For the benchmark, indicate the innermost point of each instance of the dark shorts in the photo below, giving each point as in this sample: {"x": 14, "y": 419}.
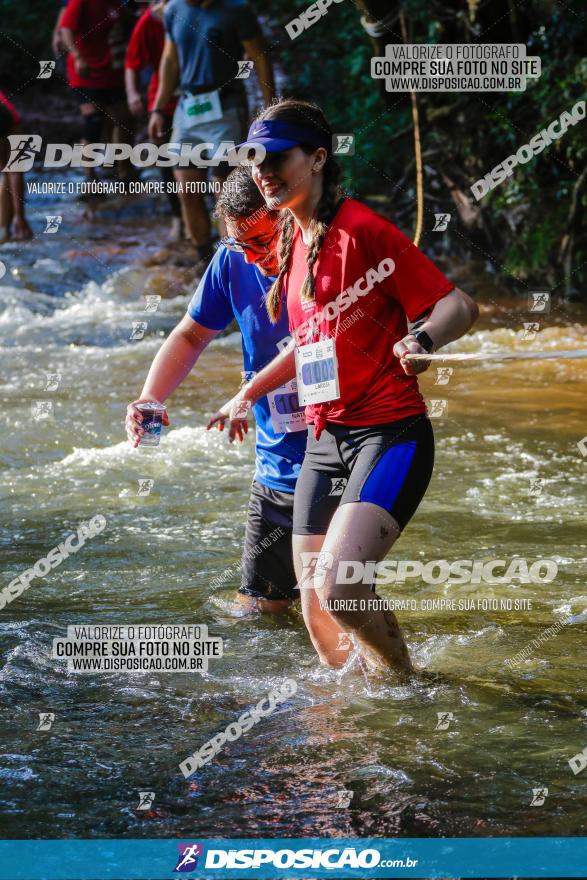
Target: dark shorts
{"x": 267, "y": 563}
{"x": 100, "y": 97}
{"x": 389, "y": 465}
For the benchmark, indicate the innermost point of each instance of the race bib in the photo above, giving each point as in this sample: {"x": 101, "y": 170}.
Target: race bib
{"x": 202, "y": 108}
{"x": 286, "y": 413}
{"x": 317, "y": 372}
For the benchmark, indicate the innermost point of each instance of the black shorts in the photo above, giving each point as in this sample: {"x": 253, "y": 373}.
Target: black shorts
{"x": 389, "y": 465}
{"x": 100, "y": 97}
{"x": 267, "y": 563}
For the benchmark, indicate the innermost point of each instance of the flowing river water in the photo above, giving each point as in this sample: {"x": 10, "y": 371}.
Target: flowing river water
{"x": 509, "y": 482}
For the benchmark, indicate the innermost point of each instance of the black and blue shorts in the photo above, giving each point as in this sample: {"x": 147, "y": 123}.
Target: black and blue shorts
{"x": 389, "y": 465}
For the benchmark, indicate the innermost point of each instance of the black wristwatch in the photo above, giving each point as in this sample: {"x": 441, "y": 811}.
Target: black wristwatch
{"x": 423, "y": 339}
{"x": 160, "y": 112}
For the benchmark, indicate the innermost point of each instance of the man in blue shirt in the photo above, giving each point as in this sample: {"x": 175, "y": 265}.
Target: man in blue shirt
{"x": 204, "y": 43}
{"x": 234, "y": 287}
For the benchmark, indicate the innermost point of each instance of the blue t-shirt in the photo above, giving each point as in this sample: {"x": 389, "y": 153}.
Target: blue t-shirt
{"x": 209, "y": 43}
{"x": 232, "y": 288}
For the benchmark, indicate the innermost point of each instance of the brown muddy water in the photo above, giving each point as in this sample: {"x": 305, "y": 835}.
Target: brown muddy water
{"x": 509, "y": 484}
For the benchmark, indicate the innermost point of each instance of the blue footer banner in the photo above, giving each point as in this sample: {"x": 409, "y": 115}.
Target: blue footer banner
{"x": 296, "y": 857}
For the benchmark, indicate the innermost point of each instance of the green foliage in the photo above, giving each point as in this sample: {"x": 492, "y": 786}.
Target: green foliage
{"x": 27, "y": 26}
{"x": 330, "y": 64}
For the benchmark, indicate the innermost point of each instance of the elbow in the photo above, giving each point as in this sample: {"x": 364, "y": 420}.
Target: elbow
{"x": 470, "y": 308}
{"x": 473, "y": 311}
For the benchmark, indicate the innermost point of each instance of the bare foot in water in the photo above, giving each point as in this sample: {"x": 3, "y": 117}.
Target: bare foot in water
{"x": 21, "y": 231}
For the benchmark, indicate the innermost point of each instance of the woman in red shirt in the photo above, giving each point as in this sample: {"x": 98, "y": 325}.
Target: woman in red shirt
{"x": 351, "y": 281}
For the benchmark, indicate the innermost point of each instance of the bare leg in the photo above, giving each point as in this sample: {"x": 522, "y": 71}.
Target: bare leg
{"x": 193, "y": 208}
{"x": 88, "y": 109}
{"x": 123, "y": 132}
{"x": 5, "y": 208}
{"x": 5, "y": 198}
{"x": 359, "y": 532}
{"x": 326, "y": 633}
{"x": 21, "y": 229}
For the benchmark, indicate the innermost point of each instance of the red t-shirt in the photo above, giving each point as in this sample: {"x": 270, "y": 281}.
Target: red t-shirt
{"x": 144, "y": 50}
{"x": 99, "y": 35}
{"x": 373, "y": 387}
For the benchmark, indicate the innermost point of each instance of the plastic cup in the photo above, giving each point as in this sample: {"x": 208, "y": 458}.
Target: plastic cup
{"x": 152, "y": 423}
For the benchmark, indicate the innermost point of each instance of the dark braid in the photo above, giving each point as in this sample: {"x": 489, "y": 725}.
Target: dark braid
{"x": 308, "y": 114}
{"x": 325, "y": 210}
{"x": 275, "y": 292}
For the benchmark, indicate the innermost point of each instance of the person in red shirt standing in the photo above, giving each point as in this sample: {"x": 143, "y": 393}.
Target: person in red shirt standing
{"x": 144, "y": 50}
{"x": 352, "y": 282}
{"x": 94, "y": 34}
{"x": 13, "y": 222}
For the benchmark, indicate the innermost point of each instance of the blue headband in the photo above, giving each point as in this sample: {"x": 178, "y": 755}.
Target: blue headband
{"x": 277, "y": 135}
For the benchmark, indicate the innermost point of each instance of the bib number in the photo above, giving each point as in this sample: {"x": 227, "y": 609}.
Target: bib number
{"x": 286, "y": 413}
{"x": 317, "y": 372}
{"x": 202, "y": 108}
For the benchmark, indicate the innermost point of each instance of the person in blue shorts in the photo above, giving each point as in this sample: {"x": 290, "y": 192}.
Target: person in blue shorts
{"x": 234, "y": 286}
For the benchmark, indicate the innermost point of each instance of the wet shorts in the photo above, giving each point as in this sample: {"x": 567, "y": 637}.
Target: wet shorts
{"x": 229, "y": 129}
{"x": 389, "y": 465}
{"x": 267, "y": 563}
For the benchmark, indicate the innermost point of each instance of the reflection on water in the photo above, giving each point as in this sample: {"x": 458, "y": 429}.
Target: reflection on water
{"x": 509, "y": 482}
